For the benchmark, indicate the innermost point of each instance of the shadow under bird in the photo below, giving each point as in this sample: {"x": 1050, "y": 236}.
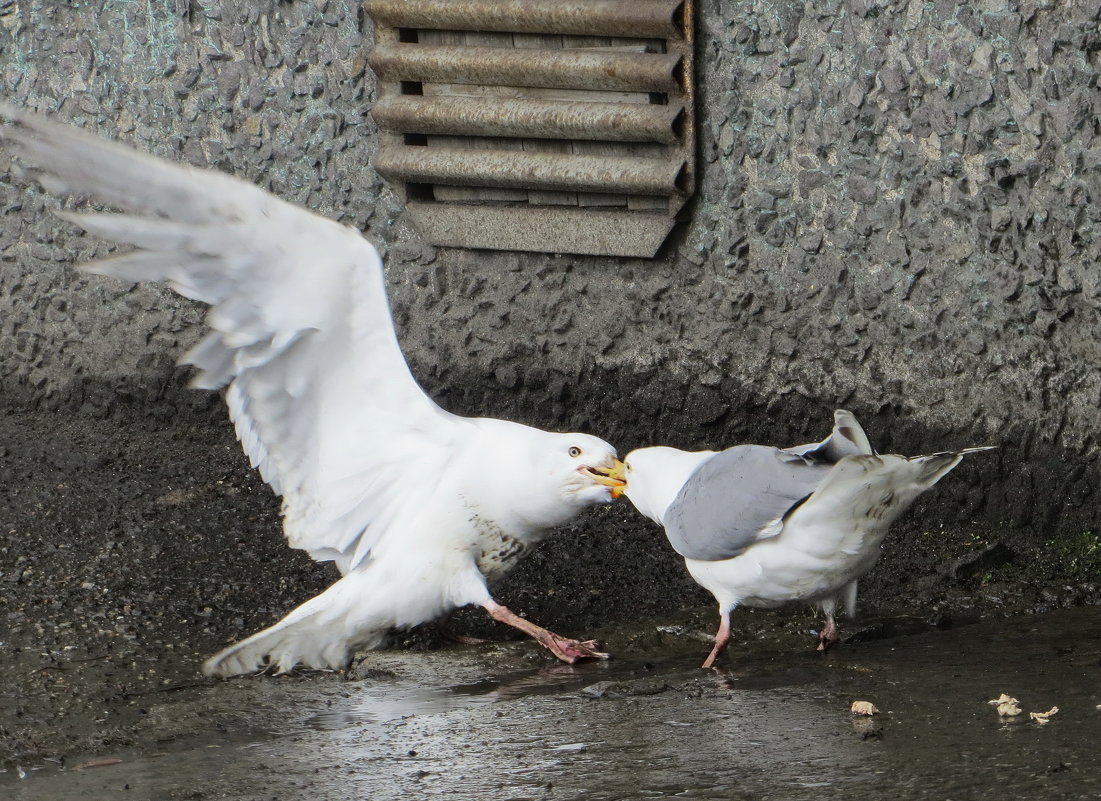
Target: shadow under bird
{"x": 420, "y": 509}
{"x": 762, "y": 526}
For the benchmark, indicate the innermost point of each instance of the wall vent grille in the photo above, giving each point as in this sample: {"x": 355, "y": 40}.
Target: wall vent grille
{"x": 561, "y": 126}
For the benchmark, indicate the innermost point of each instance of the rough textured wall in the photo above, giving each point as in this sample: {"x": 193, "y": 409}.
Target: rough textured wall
{"x": 900, "y": 211}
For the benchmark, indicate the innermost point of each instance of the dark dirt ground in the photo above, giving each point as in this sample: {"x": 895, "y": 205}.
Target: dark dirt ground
{"x": 131, "y": 548}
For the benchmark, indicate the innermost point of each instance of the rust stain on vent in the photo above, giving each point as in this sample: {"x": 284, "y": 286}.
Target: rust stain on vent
{"x": 550, "y": 125}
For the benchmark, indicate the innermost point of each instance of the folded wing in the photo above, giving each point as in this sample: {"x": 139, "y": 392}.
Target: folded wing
{"x": 737, "y": 497}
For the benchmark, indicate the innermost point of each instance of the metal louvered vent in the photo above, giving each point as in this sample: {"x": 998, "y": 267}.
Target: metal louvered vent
{"x": 549, "y": 125}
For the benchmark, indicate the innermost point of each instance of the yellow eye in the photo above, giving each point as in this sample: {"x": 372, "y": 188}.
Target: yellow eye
{"x": 575, "y": 451}
{"x": 629, "y": 468}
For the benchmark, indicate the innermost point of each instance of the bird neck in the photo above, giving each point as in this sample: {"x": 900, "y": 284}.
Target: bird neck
{"x": 676, "y": 470}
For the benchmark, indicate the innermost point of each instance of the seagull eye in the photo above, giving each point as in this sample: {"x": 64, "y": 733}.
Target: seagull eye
{"x": 575, "y": 451}
{"x": 629, "y": 468}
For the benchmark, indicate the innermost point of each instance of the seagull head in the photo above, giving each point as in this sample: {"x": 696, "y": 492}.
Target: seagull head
{"x": 542, "y": 478}
{"x": 568, "y": 472}
{"x": 656, "y": 475}
{"x": 585, "y": 467}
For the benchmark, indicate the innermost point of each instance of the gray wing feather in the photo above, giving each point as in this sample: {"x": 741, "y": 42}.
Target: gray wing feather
{"x": 737, "y": 497}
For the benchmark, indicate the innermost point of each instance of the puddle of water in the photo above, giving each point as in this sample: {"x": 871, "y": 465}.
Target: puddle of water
{"x": 766, "y": 729}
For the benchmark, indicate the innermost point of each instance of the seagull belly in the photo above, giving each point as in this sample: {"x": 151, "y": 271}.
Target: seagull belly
{"x": 773, "y": 572}
{"x": 498, "y": 552}
{"x": 407, "y": 591}
{"x": 497, "y": 559}
{"x": 433, "y": 568}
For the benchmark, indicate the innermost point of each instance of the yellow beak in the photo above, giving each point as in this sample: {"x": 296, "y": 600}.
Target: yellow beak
{"x": 612, "y": 477}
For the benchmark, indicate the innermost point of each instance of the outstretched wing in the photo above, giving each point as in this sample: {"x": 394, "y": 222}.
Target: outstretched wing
{"x": 323, "y": 401}
{"x": 737, "y": 497}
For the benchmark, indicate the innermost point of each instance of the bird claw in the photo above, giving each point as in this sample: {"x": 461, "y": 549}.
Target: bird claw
{"x": 829, "y": 636}
{"x": 571, "y": 651}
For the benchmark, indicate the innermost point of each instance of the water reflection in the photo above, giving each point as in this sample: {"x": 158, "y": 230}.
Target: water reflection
{"x": 661, "y": 729}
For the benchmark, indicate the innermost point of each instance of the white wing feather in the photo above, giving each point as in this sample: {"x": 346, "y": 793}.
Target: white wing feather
{"x": 322, "y": 398}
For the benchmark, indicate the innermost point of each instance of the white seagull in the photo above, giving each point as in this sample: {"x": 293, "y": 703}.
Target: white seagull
{"x": 418, "y": 508}
{"x": 761, "y": 526}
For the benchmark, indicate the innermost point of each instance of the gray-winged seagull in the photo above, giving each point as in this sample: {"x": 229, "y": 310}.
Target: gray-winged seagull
{"x": 418, "y": 508}
{"x": 761, "y": 526}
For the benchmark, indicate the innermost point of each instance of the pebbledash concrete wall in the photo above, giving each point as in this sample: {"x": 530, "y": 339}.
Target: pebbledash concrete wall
{"x": 899, "y": 212}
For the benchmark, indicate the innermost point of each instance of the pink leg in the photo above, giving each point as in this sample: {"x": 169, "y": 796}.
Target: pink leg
{"x": 569, "y": 651}
{"x": 722, "y": 638}
{"x": 829, "y": 636}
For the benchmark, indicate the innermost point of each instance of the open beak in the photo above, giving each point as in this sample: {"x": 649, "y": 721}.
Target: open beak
{"x": 610, "y": 477}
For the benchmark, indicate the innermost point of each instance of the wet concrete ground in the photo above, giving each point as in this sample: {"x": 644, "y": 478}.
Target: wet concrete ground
{"x": 502, "y": 722}
{"x": 132, "y": 548}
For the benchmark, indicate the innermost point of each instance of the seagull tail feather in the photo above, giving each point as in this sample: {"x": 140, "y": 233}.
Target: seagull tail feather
{"x": 937, "y": 465}
{"x": 849, "y": 434}
{"x": 322, "y": 633}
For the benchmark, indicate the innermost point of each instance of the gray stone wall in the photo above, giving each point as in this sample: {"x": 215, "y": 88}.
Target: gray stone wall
{"x": 899, "y": 212}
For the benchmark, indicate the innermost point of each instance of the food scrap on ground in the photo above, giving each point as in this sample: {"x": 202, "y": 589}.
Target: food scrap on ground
{"x": 1007, "y": 706}
{"x": 1043, "y": 717}
{"x": 863, "y": 708}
